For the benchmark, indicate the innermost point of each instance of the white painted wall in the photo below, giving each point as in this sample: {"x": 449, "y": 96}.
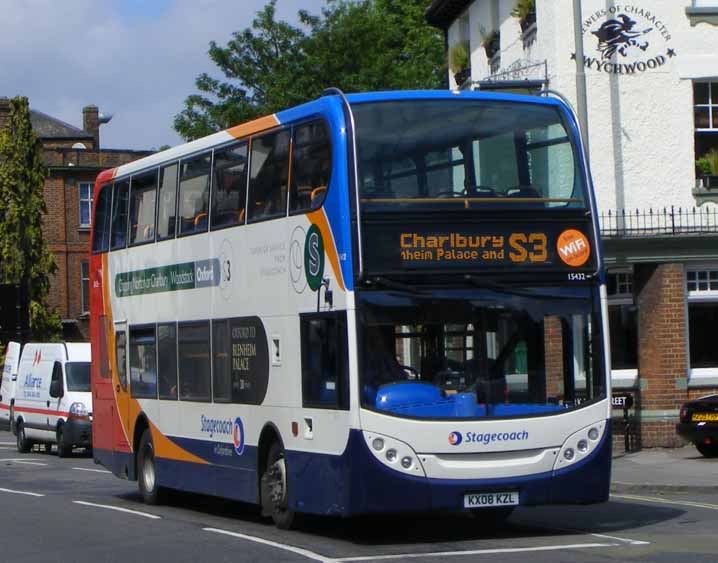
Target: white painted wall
{"x": 640, "y": 125}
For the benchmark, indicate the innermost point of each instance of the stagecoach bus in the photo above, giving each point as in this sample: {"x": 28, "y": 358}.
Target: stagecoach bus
{"x": 378, "y": 302}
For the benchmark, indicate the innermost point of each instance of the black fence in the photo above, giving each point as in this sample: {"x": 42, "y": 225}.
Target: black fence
{"x": 658, "y": 222}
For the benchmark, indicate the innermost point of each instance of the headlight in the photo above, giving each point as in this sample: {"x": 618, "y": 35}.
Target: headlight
{"x": 78, "y": 409}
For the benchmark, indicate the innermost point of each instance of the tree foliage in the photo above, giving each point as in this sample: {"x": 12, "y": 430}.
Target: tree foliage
{"x": 25, "y": 260}
{"x": 358, "y": 45}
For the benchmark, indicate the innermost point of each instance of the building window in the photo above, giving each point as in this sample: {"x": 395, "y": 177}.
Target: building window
{"x": 705, "y": 112}
{"x": 86, "y": 189}
{"x": 85, "y": 286}
{"x": 623, "y": 322}
{"x": 702, "y": 297}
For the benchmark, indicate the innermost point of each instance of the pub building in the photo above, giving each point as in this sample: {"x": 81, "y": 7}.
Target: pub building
{"x": 651, "y": 80}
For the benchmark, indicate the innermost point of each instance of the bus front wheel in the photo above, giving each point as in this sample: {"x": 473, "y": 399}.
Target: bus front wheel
{"x": 274, "y": 489}
{"x": 151, "y": 492}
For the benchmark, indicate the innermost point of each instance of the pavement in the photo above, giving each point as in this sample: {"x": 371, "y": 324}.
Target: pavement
{"x": 664, "y": 470}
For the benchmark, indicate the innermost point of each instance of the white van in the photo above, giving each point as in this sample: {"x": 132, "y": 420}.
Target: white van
{"x": 53, "y": 401}
{"x": 7, "y": 385}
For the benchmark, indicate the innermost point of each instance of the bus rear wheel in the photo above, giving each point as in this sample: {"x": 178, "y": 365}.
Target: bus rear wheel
{"x": 274, "y": 489}
{"x": 151, "y": 492}
{"x": 23, "y": 444}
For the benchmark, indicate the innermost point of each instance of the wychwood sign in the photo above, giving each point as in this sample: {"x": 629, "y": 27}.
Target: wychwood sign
{"x": 625, "y": 39}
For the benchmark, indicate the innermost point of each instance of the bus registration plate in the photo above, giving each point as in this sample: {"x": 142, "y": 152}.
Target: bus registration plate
{"x": 485, "y": 500}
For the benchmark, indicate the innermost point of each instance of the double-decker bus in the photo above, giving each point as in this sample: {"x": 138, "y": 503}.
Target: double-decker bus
{"x": 368, "y": 303}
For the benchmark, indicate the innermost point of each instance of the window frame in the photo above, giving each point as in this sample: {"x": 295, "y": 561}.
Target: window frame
{"x": 160, "y": 396}
{"x": 294, "y": 127}
{"x": 343, "y": 385}
{"x": 178, "y": 192}
{"x": 232, "y": 146}
{"x": 183, "y": 324}
{"x": 154, "y": 214}
{"x": 624, "y": 378}
{"x": 107, "y": 223}
{"x": 703, "y": 376}
{"x": 160, "y": 169}
{"x": 143, "y": 327}
{"x": 90, "y": 201}
{"x": 252, "y": 140}
{"x": 115, "y": 188}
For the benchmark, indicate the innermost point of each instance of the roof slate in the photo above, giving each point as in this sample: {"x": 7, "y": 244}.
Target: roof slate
{"x": 48, "y": 127}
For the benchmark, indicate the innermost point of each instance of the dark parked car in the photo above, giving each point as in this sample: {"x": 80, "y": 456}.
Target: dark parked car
{"x": 699, "y": 424}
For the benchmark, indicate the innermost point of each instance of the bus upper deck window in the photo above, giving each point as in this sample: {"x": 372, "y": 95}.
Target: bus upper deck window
{"x": 101, "y": 234}
{"x": 167, "y": 205}
{"x": 194, "y": 194}
{"x": 311, "y": 167}
{"x": 143, "y": 196}
{"x": 268, "y": 176}
{"x": 229, "y": 186}
{"x": 119, "y": 215}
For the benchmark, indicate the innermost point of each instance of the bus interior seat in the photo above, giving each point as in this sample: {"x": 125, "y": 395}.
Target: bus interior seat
{"x": 525, "y": 192}
{"x": 317, "y": 196}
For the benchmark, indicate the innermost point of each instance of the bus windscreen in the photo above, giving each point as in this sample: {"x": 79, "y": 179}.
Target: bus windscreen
{"x": 454, "y": 155}
{"x": 480, "y": 353}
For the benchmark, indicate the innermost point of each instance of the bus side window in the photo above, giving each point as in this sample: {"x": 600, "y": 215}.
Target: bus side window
{"x": 269, "y": 171}
{"x": 119, "y": 215}
{"x": 194, "y": 361}
{"x": 311, "y": 167}
{"x": 194, "y": 194}
{"x": 143, "y": 368}
{"x": 143, "y": 195}
{"x": 325, "y": 379}
{"x": 229, "y": 186}
{"x": 221, "y": 362}
{"x": 104, "y": 358}
{"x": 121, "y": 358}
{"x": 101, "y": 233}
{"x": 167, "y": 208}
{"x": 167, "y": 360}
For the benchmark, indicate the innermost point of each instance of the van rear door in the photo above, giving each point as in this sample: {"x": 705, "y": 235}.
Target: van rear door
{"x": 8, "y": 384}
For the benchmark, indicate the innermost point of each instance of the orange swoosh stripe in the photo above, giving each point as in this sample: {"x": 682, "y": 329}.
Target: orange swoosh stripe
{"x": 319, "y": 218}
{"x": 254, "y": 126}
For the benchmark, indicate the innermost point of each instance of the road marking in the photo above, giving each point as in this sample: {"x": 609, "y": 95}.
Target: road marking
{"x": 29, "y": 462}
{"x": 298, "y": 550}
{"x": 21, "y": 493}
{"x": 119, "y": 509}
{"x": 666, "y": 501}
{"x": 93, "y": 470}
{"x": 8, "y": 444}
{"x": 475, "y": 552}
{"x": 625, "y": 540}
{"x": 317, "y": 557}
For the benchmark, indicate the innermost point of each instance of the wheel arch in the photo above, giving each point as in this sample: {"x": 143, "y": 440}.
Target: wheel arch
{"x": 141, "y": 425}
{"x": 270, "y": 434}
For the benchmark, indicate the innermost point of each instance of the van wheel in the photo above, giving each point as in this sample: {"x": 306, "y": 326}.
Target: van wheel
{"x": 151, "y": 492}
{"x": 23, "y": 444}
{"x": 274, "y": 489}
{"x": 63, "y": 449}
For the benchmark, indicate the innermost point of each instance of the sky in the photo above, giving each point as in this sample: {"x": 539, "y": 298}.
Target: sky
{"x": 135, "y": 59}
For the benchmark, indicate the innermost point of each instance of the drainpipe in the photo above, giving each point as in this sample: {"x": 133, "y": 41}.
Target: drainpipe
{"x": 581, "y": 104}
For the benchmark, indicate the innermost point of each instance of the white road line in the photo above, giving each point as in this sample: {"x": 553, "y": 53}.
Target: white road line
{"x": 8, "y": 444}
{"x": 476, "y": 552}
{"x": 298, "y": 550}
{"x": 30, "y": 462}
{"x": 659, "y": 500}
{"x": 317, "y": 557}
{"x": 21, "y": 493}
{"x": 93, "y": 470}
{"x": 625, "y": 540}
{"x": 119, "y": 509}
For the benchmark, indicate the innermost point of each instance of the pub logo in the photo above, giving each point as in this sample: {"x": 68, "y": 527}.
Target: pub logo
{"x": 625, "y": 39}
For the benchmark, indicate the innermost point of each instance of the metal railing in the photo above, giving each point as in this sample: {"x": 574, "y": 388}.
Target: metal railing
{"x": 658, "y": 222}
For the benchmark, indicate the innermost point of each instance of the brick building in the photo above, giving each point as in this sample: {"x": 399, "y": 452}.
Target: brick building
{"x": 651, "y": 80}
{"x": 73, "y": 157}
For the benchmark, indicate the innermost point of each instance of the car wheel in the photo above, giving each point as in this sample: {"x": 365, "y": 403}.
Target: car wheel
{"x": 274, "y": 489}
{"x": 63, "y": 449}
{"x": 151, "y": 492}
{"x": 23, "y": 444}
{"x": 707, "y": 450}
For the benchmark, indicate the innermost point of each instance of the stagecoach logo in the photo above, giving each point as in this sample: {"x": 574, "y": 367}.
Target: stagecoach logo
{"x": 296, "y": 259}
{"x": 455, "y": 438}
{"x": 238, "y": 436}
{"x": 314, "y": 257}
{"x": 628, "y": 39}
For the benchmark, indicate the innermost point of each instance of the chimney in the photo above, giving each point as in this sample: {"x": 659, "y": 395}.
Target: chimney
{"x": 4, "y": 110}
{"x": 91, "y": 123}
